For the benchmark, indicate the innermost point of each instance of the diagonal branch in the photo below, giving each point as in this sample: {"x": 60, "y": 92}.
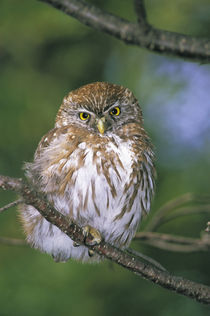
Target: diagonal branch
{"x": 180, "y": 285}
{"x": 154, "y": 39}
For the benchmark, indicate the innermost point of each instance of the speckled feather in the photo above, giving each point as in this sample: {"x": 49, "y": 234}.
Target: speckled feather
{"x": 102, "y": 180}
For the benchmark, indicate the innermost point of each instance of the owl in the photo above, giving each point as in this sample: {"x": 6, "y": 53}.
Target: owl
{"x": 96, "y": 166}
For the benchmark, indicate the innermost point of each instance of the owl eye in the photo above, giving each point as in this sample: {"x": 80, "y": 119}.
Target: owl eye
{"x": 115, "y": 111}
{"x": 84, "y": 116}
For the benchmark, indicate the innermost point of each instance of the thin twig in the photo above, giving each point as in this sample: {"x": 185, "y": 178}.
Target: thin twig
{"x": 141, "y": 13}
{"x": 171, "y": 206}
{"x": 184, "y": 211}
{"x": 13, "y": 241}
{"x": 207, "y": 230}
{"x": 6, "y": 207}
{"x": 173, "y": 243}
{"x": 146, "y": 258}
{"x": 180, "y": 285}
{"x": 156, "y": 40}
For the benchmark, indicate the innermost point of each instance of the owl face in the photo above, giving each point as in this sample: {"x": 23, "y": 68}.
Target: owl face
{"x": 99, "y": 122}
{"x": 100, "y": 108}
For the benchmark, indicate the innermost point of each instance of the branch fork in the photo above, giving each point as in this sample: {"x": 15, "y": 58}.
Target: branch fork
{"x": 141, "y": 34}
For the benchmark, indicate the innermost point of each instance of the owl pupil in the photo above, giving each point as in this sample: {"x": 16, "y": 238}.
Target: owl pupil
{"x": 114, "y": 111}
{"x": 85, "y": 115}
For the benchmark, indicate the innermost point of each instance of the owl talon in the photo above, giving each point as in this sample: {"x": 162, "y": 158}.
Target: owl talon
{"x": 91, "y": 235}
{"x": 91, "y": 253}
{"x": 75, "y": 244}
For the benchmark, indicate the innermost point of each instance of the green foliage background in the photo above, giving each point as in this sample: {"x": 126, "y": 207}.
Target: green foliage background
{"x": 43, "y": 55}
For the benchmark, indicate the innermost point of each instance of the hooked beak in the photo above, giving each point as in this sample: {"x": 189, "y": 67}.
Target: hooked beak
{"x": 101, "y": 125}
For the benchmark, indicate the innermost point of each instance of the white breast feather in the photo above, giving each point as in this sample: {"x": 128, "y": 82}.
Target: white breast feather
{"x": 60, "y": 245}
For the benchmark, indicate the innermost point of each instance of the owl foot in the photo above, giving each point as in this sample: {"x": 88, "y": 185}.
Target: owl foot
{"x": 75, "y": 244}
{"x": 91, "y": 235}
{"x": 91, "y": 253}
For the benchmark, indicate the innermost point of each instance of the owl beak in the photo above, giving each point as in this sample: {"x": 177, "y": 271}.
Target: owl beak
{"x": 101, "y": 125}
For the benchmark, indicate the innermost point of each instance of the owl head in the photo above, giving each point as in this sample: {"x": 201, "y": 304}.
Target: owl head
{"x": 100, "y": 107}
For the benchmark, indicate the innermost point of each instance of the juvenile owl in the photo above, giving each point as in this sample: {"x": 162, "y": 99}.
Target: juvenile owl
{"x": 95, "y": 166}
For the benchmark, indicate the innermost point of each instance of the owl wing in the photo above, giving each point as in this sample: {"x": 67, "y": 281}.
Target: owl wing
{"x": 32, "y": 169}
{"x": 48, "y": 138}
{"x": 45, "y": 141}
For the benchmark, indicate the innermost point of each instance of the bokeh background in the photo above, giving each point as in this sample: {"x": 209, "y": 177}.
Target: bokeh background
{"x": 43, "y": 55}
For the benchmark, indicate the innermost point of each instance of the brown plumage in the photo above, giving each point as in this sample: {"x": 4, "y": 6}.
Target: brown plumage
{"x": 96, "y": 166}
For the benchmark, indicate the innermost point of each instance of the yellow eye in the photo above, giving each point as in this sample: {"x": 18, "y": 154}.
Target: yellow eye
{"x": 84, "y": 116}
{"x": 115, "y": 111}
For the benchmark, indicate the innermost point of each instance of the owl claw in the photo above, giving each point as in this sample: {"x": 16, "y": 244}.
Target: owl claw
{"x": 91, "y": 235}
{"x": 91, "y": 253}
{"x": 75, "y": 244}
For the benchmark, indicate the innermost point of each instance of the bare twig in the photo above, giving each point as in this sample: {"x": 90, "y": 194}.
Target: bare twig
{"x": 141, "y": 13}
{"x": 173, "y": 243}
{"x": 157, "y": 240}
{"x": 6, "y": 207}
{"x": 185, "y": 211}
{"x": 163, "y": 214}
{"x": 180, "y": 285}
{"x": 12, "y": 241}
{"x": 146, "y": 258}
{"x": 156, "y": 40}
{"x": 207, "y": 230}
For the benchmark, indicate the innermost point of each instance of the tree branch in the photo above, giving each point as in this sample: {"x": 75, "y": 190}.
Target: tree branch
{"x": 154, "y": 39}
{"x": 180, "y": 285}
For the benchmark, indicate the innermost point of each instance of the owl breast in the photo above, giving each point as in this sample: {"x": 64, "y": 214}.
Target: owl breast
{"x": 101, "y": 184}
{"x": 97, "y": 194}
